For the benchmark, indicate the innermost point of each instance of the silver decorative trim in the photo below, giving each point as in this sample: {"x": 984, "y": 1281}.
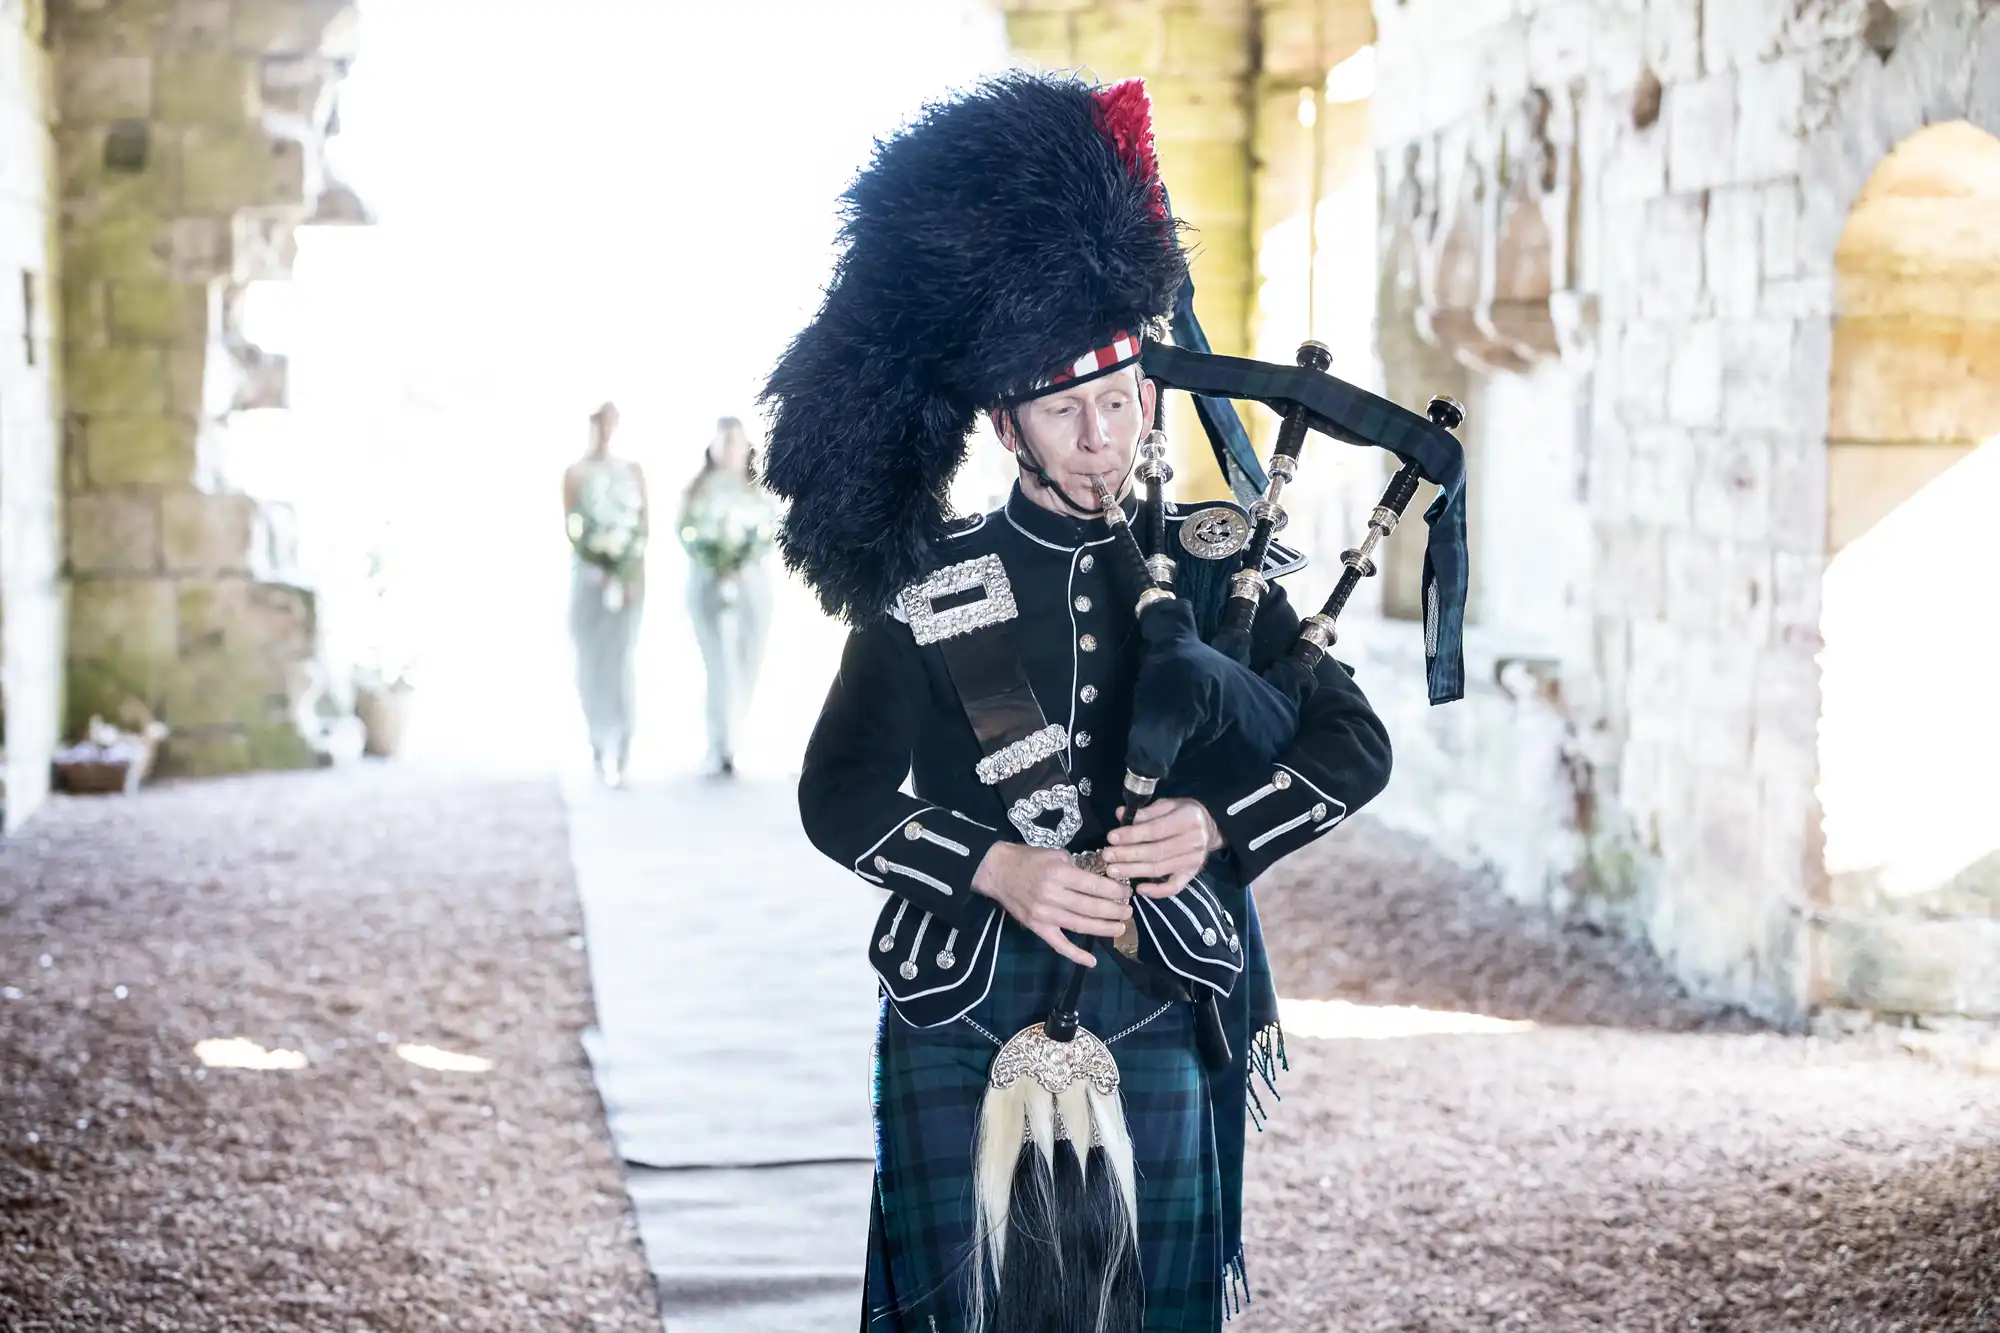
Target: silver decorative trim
{"x": 1061, "y": 797}
{"x": 984, "y": 572}
{"x": 1022, "y": 755}
{"x": 1239, "y": 806}
{"x": 1279, "y": 831}
{"x": 1211, "y": 534}
{"x": 889, "y": 867}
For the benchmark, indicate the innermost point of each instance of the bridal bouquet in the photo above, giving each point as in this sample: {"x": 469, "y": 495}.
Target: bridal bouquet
{"x": 725, "y": 528}
{"x": 607, "y": 527}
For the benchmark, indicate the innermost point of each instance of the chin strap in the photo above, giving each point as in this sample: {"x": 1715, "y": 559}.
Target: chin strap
{"x": 1045, "y": 481}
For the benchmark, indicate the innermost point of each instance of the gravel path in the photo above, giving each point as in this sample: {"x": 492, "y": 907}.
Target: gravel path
{"x": 339, "y": 915}
{"x": 1636, "y": 1161}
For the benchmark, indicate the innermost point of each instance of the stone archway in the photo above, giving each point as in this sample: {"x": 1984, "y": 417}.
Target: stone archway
{"x": 1904, "y": 156}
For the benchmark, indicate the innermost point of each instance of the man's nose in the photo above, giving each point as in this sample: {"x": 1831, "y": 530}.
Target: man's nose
{"x": 1093, "y": 437}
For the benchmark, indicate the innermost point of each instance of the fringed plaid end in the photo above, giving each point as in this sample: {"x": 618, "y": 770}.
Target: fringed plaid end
{"x": 1266, "y": 1057}
{"x": 1235, "y": 1286}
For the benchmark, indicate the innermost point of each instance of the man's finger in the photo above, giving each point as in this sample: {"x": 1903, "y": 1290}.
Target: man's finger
{"x": 1094, "y": 886}
{"x": 1055, "y": 940}
{"x": 1090, "y": 906}
{"x": 1167, "y": 887}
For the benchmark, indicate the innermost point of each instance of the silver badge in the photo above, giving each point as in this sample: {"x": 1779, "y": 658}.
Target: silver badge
{"x": 1211, "y": 534}
{"x": 982, "y": 574}
{"x": 1026, "y": 811}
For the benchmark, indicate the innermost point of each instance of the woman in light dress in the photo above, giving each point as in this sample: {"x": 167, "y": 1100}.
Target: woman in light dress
{"x": 605, "y": 508}
{"x": 727, "y": 523}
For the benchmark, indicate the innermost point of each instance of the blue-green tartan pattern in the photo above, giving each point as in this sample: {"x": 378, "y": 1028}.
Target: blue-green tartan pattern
{"x": 929, "y": 1084}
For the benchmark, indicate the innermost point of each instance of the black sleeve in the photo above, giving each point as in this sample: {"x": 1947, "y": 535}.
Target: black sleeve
{"x": 1337, "y": 763}
{"x": 850, "y": 789}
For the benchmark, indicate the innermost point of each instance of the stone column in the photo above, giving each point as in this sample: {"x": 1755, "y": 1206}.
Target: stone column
{"x": 189, "y": 149}
{"x": 1196, "y": 57}
{"x": 30, "y": 490}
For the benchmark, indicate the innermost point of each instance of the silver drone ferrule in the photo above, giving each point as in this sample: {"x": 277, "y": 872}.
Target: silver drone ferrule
{"x": 1317, "y": 629}
{"x": 1269, "y": 508}
{"x": 1162, "y": 568}
{"x": 1154, "y": 446}
{"x": 1384, "y": 519}
{"x": 1139, "y": 786}
{"x": 1156, "y": 471}
{"x": 1284, "y": 467}
{"x": 1151, "y": 595}
{"x": 1248, "y": 584}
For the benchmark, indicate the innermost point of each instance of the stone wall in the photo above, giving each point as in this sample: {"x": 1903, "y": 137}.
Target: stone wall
{"x": 31, "y": 604}
{"x": 190, "y": 148}
{"x": 1197, "y": 57}
{"x": 1656, "y": 244}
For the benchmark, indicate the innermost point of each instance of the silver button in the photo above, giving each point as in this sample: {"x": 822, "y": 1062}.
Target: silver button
{"x": 1083, "y": 740}
{"x": 946, "y": 959}
{"x": 1281, "y": 779}
{"x": 1088, "y": 643}
{"x": 1083, "y": 786}
{"x": 908, "y": 970}
{"x": 1085, "y": 563}
{"x": 1319, "y": 811}
{"x": 913, "y": 830}
{"x": 886, "y": 943}
{"x": 1208, "y": 938}
{"x": 881, "y": 865}
{"x": 1088, "y": 694}
{"x": 1235, "y": 945}
{"x": 1082, "y": 603}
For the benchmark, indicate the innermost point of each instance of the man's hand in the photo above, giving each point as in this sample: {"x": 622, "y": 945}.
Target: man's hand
{"x": 1044, "y": 891}
{"x": 1168, "y": 841}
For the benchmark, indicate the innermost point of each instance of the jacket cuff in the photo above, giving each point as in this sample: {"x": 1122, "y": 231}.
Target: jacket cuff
{"x": 1271, "y": 821}
{"x": 929, "y": 857}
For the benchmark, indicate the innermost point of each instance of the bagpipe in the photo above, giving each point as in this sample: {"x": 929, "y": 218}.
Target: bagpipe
{"x": 1057, "y": 1202}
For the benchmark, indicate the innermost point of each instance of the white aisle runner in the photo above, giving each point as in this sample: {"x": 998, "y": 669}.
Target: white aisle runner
{"x": 735, "y": 1017}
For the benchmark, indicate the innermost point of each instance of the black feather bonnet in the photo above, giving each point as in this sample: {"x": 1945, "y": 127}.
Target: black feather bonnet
{"x": 1000, "y": 235}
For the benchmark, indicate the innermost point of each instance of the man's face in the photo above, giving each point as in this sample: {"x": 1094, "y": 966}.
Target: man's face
{"x": 1081, "y": 433}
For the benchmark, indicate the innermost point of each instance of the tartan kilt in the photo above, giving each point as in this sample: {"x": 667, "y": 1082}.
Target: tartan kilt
{"x": 928, "y": 1087}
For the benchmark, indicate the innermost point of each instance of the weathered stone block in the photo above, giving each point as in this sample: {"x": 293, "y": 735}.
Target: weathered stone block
{"x": 1635, "y": 168}
{"x": 1300, "y": 40}
{"x": 1701, "y": 133}
{"x": 115, "y": 531}
{"x": 123, "y": 619}
{"x": 1120, "y": 42}
{"x": 224, "y": 169}
{"x": 137, "y": 450}
{"x": 1756, "y": 374}
{"x": 1210, "y": 182}
{"x": 84, "y": 321}
{"x": 1769, "y": 141}
{"x": 1743, "y": 33}
{"x": 1693, "y": 576}
{"x": 105, "y": 171}
{"x": 206, "y": 753}
{"x": 1201, "y": 110}
{"x": 206, "y": 87}
{"x": 1629, "y": 577}
{"x": 1041, "y": 39}
{"x": 1638, "y": 387}
{"x": 1731, "y": 258}
{"x": 121, "y": 245}
{"x": 222, "y": 689}
{"x": 106, "y": 87}
{"x": 1215, "y": 43}
{"x": 1694, "y": 376}
{"x": 1798, "y": 495}
{"x": 1663, "y": 472}
{"x": 199, "y": 249}
{"x": 1559, "y": 42}
{"x": 239, "y": 615}
{"x": 1673, "y": 39}
{"x": 151, "y": 311}
{"x": 187, "y": 371}
{"x": 1779, "y": 228}
{"x": 116, "y": 381}
{"x": 1671, "y": 271}
{"x": 208, "y": 534}
{"x": 198, "y": 25}
{"x": 1730, "y": 499}
{"x": 283, "y": 27}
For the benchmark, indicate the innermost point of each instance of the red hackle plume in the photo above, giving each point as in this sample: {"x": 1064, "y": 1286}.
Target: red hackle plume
{"x": 1125, "y": 114}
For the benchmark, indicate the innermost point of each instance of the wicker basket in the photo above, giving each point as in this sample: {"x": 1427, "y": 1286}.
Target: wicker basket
{"x": 93, "y": 778}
